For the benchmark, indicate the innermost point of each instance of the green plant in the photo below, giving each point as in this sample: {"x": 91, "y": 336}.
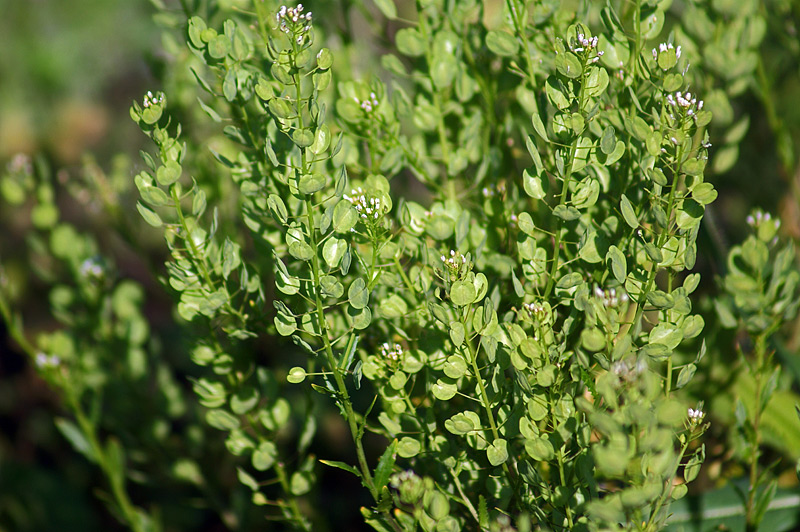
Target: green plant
{"x": 513, "y": 327}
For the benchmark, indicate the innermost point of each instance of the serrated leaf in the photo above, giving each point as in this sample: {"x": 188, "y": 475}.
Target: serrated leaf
{"x": 385, "y": 465}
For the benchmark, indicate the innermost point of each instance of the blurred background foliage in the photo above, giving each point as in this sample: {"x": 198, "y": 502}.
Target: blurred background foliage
{"x": 68, "y": 72}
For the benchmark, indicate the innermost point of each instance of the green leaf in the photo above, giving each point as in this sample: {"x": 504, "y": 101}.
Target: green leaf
{"x": 296, "y": 375}
{"x": 569, "y": 65}
{"x": 619, "y": 265}
{"x": 148, "y": 214}
{"x": 219, "y": 47}
{"x": 409, "y": 42}
{"x": 357, "y": 294}
{"x": 301, "y": 251}
{"x": 280, "y": 107}
{"x": 246, "y": 479}
{"x": 533, "y": 185}
{"x": 443, "y": 70}
{"x": 608, "y": 141}
{"x": 331, "y": 287}
{"x": 222, "y": 420}
{"x": 73, "y": 434}
{"x": 341, "y": 465}
{"x": 660, "y": 300}
{"x": 154, "y": 196}
{"x": 462, "y": 293}
{"x": 444, "y": 390}
{"x": 287, "y": 284}
{"x": 393, "y": 307}
{"x": 408, "y": 447}
{"x": 285, "y": 324}
{"x": 566, "y": 213}
{"x": 345, "y": 216}
{"x": 460, "y": 424}
{"x": 497, "y": 452}
{"x": 311, "y": 183}
{"x": 540, "y": 449}
{"x": 333, "y": 251}
{"x": 555, "y": 95}
{"x": 303, "y": 137}
{"x": 277, "y": 208}
{"x": 385, "y": 465}
{"x": 501, "y": 43}
{"x": 361, "y": 317}
{"x": 300, "y": 483}
{"x": 538, "y": 126}
{"x": 168, "y": 174}
{"x": 325, "y": 57}
{"x": 593, "y": 339}
{"x": 455, "y": 367}
{"x": 666, "y": 334}
{"x": 686, "y": 374}
{"x": 628, "y": 213}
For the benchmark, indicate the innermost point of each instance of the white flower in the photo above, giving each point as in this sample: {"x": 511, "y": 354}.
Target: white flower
{"x": 696, "y": 416}
{"x": 47, "y": 361}
{"x": 393, "y": 353}
{"x": 366, "y": 206}
{"x": 300, "y": 23}
{"x": 150, "y": 99}
{"x": 609, "y": 297}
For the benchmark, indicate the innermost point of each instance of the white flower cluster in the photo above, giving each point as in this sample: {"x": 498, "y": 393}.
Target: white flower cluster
{"x": 491, "y": 190}
{"x": 91, "y": 268}
{"x": 686, "y": 101}
{"x": 367, "y": 207}
{"x": 455, "y": 260}
{"x": 399, "y": 479}
{"x": 665, "y": 47}
{"x": 369, "y": 104}
{"x": 696, "y": 416}
{"x": 628, "y": 369}
{"x": 20, "y": 164}
{"x": 292, "y": 18}
{"x": 392, "y": 352}
{"x": 761, "y": 217}
{"x": 47, "y": 361}
{"x": 534, "y": 310}
{"x": 586, "y": 44}
{"x": 609, "y": 297}
{"x": 149, "y": 99}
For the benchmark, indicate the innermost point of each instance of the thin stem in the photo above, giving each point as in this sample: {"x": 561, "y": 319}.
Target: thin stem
{"x": 484, "y": 399}
{"x": 755, "y": 438}
{"x": 341, "y": 388}
{"x": 115, "y": 481}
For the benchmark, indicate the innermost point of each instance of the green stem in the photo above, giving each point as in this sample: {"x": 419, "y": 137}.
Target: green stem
{"x": 437, "y": 102}
{"x": 115, "y": 481}
{"x": 519, "y": 28}
{"x": 755, "y": 438}
{"x": 562, "y": 477}
{"x": 652, "y": 523}
{"x": 562, "y": 200}
{"x": 341, "y": 388}
{"x": 662, "y": 238}
{"x": 484, "y": 397}
{"x": 280, "y": 471}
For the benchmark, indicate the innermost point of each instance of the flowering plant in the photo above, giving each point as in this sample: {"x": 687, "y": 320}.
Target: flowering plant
{"x": 509, "y": 335}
